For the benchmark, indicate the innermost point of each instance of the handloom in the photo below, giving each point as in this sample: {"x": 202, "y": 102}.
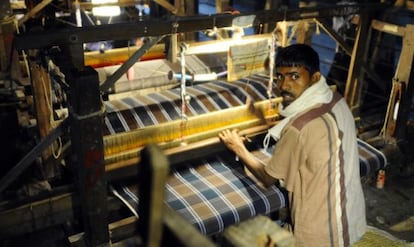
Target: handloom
{"x": 211, "y": 192}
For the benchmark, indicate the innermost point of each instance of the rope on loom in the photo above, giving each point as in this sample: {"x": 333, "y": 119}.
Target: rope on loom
{"x": 56, "y": 153}
{"x": 271, "y": 63}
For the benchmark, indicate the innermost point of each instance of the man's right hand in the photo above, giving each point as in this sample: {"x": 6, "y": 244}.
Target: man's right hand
{"x": 233, "y": 141}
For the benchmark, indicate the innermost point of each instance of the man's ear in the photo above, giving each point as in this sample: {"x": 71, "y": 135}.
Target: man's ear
{"x": 316, "y": 77}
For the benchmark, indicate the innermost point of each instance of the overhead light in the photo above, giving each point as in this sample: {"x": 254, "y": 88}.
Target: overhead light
{"x": 106, "y": 10}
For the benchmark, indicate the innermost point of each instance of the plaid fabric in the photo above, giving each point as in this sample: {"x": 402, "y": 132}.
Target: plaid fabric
{"x": 218, "y": 194}
{"x": 370, "y": 159}
{"x": 215, "y": 193}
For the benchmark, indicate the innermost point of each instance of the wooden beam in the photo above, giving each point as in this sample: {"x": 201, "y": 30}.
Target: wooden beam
{"x": 334, "y": 35}
{"x": 388, "y": 28}
{"x": 402, "y": 76}
{"x": 34, "y": 11}
{"x": 168, "y": 6}
{"x": 353, "y": 84}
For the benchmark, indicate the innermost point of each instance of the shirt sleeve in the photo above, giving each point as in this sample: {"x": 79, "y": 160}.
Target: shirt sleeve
{"x": 286, "y": 158}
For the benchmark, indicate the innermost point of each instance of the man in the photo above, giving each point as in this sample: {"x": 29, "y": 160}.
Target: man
{"x": 316, "y": 154}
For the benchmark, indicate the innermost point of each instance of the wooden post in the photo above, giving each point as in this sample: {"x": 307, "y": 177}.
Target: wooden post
{"x": 402, "y": 76}
{"x": 353, "y": 84}
{"x": 152, "y": 177}
{"x": 42, "y": 99}
{"x": 6, "y": 40}
{"x": 222, "y": 5}
{"x": 85, "y": 112}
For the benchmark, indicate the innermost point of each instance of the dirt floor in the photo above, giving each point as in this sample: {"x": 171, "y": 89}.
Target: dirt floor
{"x": 392, "y": 208}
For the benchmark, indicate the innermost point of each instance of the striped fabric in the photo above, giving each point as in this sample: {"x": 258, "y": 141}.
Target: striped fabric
{"x": 370, "y": 159}
{"x": 131, "y": 113}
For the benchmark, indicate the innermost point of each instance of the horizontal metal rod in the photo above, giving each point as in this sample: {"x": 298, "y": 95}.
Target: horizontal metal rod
{"x": 159, "y": 27}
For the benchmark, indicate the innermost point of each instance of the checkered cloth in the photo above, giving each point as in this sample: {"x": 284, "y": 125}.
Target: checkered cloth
{"x": 215, "y": 193}
{"x": 218, "y": 194}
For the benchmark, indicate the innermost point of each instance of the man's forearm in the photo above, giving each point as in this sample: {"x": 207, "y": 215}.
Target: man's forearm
{"x": 255, "y": 166}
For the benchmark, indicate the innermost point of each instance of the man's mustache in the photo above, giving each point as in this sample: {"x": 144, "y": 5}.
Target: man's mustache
{"x": 286, "y": 93}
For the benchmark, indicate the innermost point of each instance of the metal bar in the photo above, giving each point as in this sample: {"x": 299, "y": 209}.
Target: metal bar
{"x": 32, "y": 155}
{"x": 158, "y": 27}
{"x": 128, "y": 63}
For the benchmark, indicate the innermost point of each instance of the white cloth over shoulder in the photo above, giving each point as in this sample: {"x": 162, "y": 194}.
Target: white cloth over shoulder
{"x": 318, "y": 93}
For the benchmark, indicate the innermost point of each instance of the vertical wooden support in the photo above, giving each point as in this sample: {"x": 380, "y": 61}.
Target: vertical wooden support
{"x": 302, "y": 35}
{"x": 191, "y": 9}
{"x": 85, "y": 109}
{"x": 41, "y": 94}
{"x": 353, "y": 84}
{"x": 180, "y": 7}
{"x": 222, "y": 5}
{"x": 152, "y": 177}
{"x": 76, "y": 53}
{"x": 6, "y": 40}
{"x": 268, "y": 27}
{"x": 42, "y": 97}
{"x": 282, "y": 32}
{"x": 402, "y": 76}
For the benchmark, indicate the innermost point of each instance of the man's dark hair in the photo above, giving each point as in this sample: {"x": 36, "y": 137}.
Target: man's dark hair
{"x": 298, "y": 55}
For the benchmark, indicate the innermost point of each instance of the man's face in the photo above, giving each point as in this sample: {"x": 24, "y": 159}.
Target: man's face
{"x": 293, "y": 81}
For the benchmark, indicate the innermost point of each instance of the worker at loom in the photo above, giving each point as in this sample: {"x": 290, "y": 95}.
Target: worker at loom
{"x": 315, "y": 158}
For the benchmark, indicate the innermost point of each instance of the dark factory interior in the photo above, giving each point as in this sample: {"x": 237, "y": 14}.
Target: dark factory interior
{"x": 110, "y": 114}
